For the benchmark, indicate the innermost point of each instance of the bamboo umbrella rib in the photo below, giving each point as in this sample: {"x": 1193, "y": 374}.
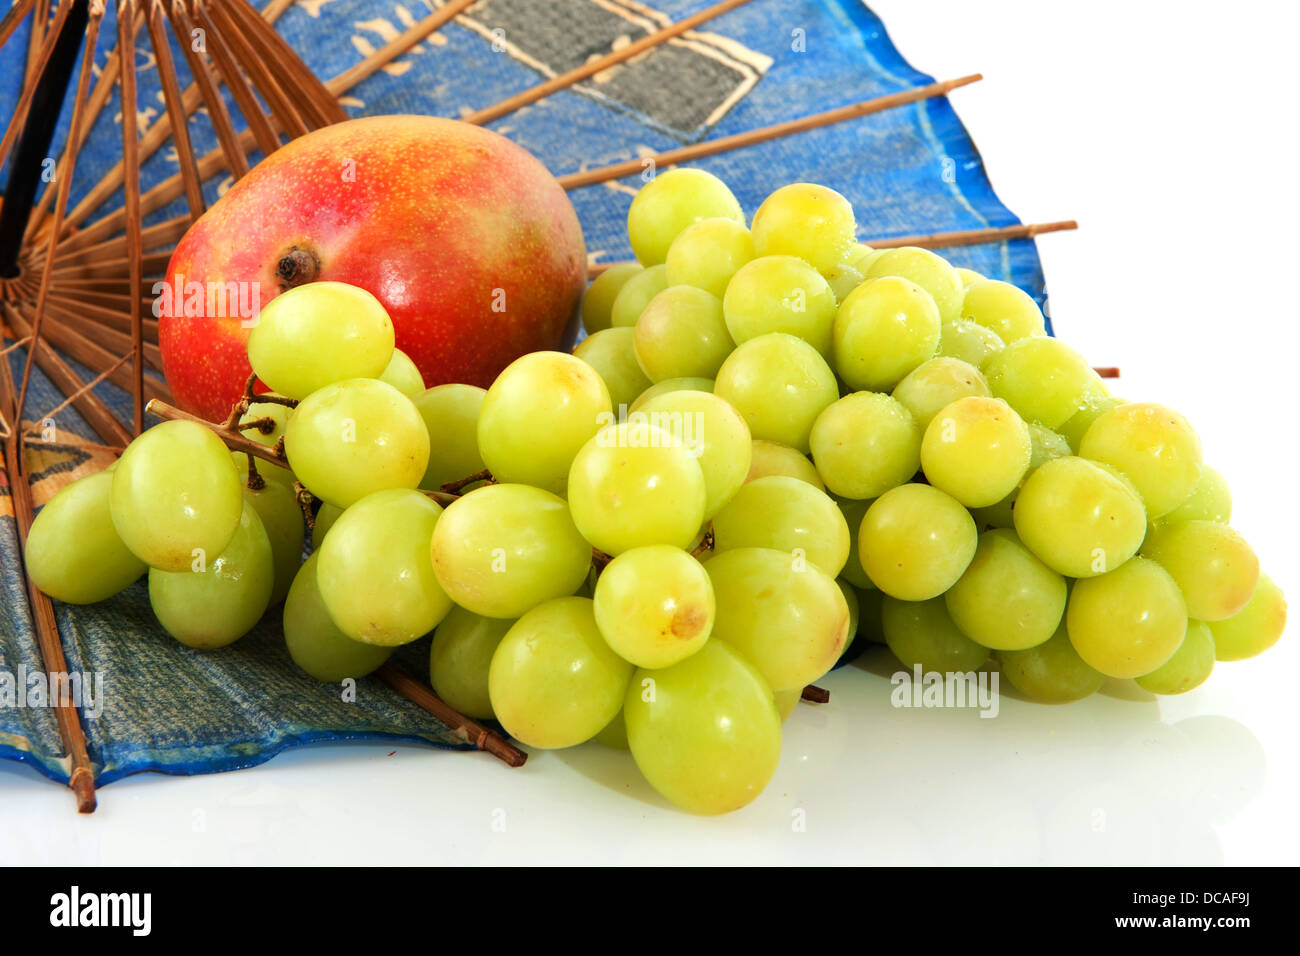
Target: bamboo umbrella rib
{"x": 268, "y": 141}
{"x": 160, "y": 234}
{"x": 397, "y": 46}
{"x": 84, "y": 389}
{"x": 116, "y": 340}
{"x": 24, "y": 105}
{"x": 175, "y": 109}
{"x": 40, "y": 20}
{"x": 116, "y": 318}
{"x": 263, "y": 78}
{"x": 12, "y": 18}
{"x": 972, "y": 237}
{"x": 209, "y": 92}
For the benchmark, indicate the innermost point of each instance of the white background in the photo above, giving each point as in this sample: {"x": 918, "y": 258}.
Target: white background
{"x": 1168, "y": 130}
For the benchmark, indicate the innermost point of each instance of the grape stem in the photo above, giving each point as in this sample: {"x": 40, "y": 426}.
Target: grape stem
{"x": 305, "y": 499}
{"x": 815, "y": 695}
{"x": 455, "y": 487}
{"x": 470, "y": 731}
{"x": 706, "y": 543}
{"x": 226, "y": 431}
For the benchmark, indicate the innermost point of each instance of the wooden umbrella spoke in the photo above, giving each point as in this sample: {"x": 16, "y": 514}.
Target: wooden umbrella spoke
{"x": 15, "y": 345}
{"x": 263, "y": 78}
{"x": 974, "y": 237}
{"x": 88, "y": 386}
{"x": 116, "y": 340}
{"x": 13, "y": 16}
{"x": 175, "y": 108}
{"x": 160, "y": 234}
{"x": 37, "y": 65}
{"x": 268, "y": 140}
{"x": 394, "y": 48}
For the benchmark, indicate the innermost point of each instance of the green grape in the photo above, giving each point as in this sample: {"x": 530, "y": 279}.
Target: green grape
{"x": 1052, "y": 672}
{"x": 884, "y": 329}
{"x": 706, "y": 254}
{"x": 780, "y": 384}
{"x": 705, "y": 732}
{"x": 614, "y": 735}
{"x": 1213, "y": 565}
{"x": 969, "y": 342}
{"x": 671, "y": 385}
{"x": 1154, "y": 446}
{"x": 1077, "y": 425}
{"x": 325, "y": 519}
{"x": 267, "y": 433}
{"x": 870, "y": 622}
{"x": 553, "y": 681}
{"x": 1129, "y": 621}
{"x": 1255, "y": 628}
{"x": 598, "y": 300}
{"x": 805, "y": 220}
{"x": 1044, "y": 445}
{"x": 314, "y": 641}
{"x": 612, "y": 353}
{"x": 375, "y": 573}
{"x": 865, "y": 444}
{"x": 74, "y": 554}
{"x": 503, "y": 549}
{"x": 1004, "y": 308}
{"x": 934, "y": 385}
{"x": 921, "y": 633}
{"x": 843, "y": 279}
{"x": 214, "y": 603}
{"x": 1190, "y": 666}
{"x": 264, "y": 468}
{"x": 786, "y": 701}
{"x": 976, "y": 449}
{"x": 916, "y": 542}
{"x": 633, "y": 485}
{"x": 858, "y": 256}
{"x": 669, "y": 203}
{"x": 277, "y": 506}
{"x": 785, "y": 514}
{"x": 636, "y": 294}
{"x": 537, "y": 414}
{"x": 1007, "y": 600}
{"x": 450, "y": 414}
{"x": 780, "y": 294}
{"x": 716, "y": 434}
{"x": 1210, "y": 500}
{"x": 853, "y": 571}
{"x": 460, "y": 658}
{"x": 773, "y": 458}
{"x": 1043, "y": 379}
{"x": 681, "y": 334}
{"x": 855, "y": 611}
{"x": 1078, "y": 518}
{"x": 317, "y": 334}
{"x": 783, "y": 613}
{"x": 354, "y": 438}
{"x": 931, "y": 272}
{"x": 403, "y": 375}
{"x": 654, "y": 606}
{"x": 968, "y": 276}
{"x": 176, "y": 496}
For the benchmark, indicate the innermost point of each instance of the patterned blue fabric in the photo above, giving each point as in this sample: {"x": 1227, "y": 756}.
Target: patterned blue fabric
{"x": 910, "y": 170}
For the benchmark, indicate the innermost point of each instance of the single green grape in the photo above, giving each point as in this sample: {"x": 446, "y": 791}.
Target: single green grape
{"x": 968, "y": 276}
{"x": 375, "y": 572}
{"x": 1154, "y": 446}
{"x": 928, "y": 270}
{"x": 780, "y": 384}
{"x": 537, "y": 414}
{"x": 636, "y": 294}
{"x": 1051, "y": 672}
{"x": 705, "y": 732}
{"x": 74, "y": 554}
{"x": 1210, "y": 500}
{"x": 682, "y": 334}
{"x": 654, "y": 606}
{"x": 265, "y": 469}
{"x": 1043, "y": 379}
{"x": 855, "y": 611}
{"x": 864, "y": 444}
{"x": 1129, "y": 621}
{"x": 1255, "y": 628}
{"x": 553, "y": 681}
{"x": 921, "y": 633}
{"x": 356, "y": 437}
{"x": 784, "y": 514}
{"x": 781, "y": 611}
{"x": 450, "y": 414}
{"x": 969, "y": 342}
{"x": 706, "y": 254}
{"x": 780, "y": 294}
{"x": 1189, "y": 668}
{"x": 671, "y": 202}
{"x": 1007, "y": 600}
{"x": 1078, "y": 518}
{"x": 502, "y": 549}
{"x": 715, "y": 433}
{"x": 612, "y": 353}
{"x": 277, "y": 506}
{"x": 977, "y": 449}
{"x": 317, "y": 334}
{"x": 614, "y": 735}
{"x": 176, "y": 496}
{"x": 404, "y": 375}
{"x": 1077, "y": 425}
{"x": 1003, "y": 308}
{"x": 787, "y": 701}
{"x": 215, "y": 602}
{"x": 460, "y": 658}
{"x": 634, "y": 485}
{"x": 1214, "y": 566}
{"x": 773, "y": 458}
{"x": 843, "y": 279}
{"x": 812, "y": 222}
{"x": 883, "y": 330}
{"x": 265, "y": 433}
{"x": 598, "y": 300}
{"x": 314, "y": 641}
{"x": 854, "y": 511}
{"x": 325, "y": 519}
{"x": 671, "y": 385}
{"x": 916, "y": 542}
{"x": 870, "y": 611}
{"x": 934, "y": 385}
